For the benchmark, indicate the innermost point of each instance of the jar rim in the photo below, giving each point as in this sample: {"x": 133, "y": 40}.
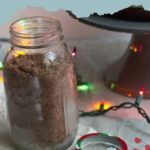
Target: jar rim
{"x": 18, "y": 28}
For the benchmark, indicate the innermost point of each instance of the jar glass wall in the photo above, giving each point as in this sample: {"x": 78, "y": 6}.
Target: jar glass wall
{"x": 40, "y": 85}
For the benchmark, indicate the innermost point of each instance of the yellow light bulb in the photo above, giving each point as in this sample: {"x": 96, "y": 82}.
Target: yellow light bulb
{"x": 96, "y": 105}
{"x": 135, "y": 49}
{"x": 129, "y": 94}
{"x": 18, "y": 53}
{"x": 1, "y": 79}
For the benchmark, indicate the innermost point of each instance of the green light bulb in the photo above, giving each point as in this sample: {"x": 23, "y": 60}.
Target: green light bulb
{"x": 112, "y": 86}
{"x": 83, "y": 87}
{"x": 1, "y": 65}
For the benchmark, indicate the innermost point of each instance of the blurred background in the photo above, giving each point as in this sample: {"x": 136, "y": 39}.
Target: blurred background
{"x": 97, "y": 46}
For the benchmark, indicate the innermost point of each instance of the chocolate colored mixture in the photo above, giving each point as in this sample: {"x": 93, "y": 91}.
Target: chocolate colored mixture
{"x": 131, "y": 14}
{"x": 34, "y": 93}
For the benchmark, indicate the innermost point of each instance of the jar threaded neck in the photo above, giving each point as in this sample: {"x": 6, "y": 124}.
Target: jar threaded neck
{"x": 35, "y": 32}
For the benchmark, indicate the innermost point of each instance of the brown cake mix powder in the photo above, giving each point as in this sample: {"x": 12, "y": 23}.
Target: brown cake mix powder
{"x": 34, "y": 93}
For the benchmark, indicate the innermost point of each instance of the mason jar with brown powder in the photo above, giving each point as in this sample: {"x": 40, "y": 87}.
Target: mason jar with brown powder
{"x": 40, "y": 85}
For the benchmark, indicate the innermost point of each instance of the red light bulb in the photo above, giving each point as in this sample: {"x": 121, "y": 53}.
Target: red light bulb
{"x": 141, "y": 92}
{"x": 74, "y": 51}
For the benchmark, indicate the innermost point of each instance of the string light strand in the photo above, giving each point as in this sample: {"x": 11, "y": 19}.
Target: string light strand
{"x": 125, "y": 105}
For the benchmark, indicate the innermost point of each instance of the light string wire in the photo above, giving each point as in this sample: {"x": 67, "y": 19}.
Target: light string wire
{"x": 125, "y": 105}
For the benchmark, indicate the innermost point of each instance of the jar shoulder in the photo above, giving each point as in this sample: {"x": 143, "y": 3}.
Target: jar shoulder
{"x": 49, "y": 60}
{"x": 52, "y": 53}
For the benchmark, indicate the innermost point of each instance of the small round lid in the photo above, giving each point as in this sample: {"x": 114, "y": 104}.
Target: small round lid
{"x": 100, "y": 141}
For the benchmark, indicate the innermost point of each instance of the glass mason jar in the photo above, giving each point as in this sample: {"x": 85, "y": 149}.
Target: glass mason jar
{"x": 40, "y": 85}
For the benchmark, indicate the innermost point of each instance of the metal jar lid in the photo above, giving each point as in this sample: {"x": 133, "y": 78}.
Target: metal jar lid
{"x": 103, "y": 141}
